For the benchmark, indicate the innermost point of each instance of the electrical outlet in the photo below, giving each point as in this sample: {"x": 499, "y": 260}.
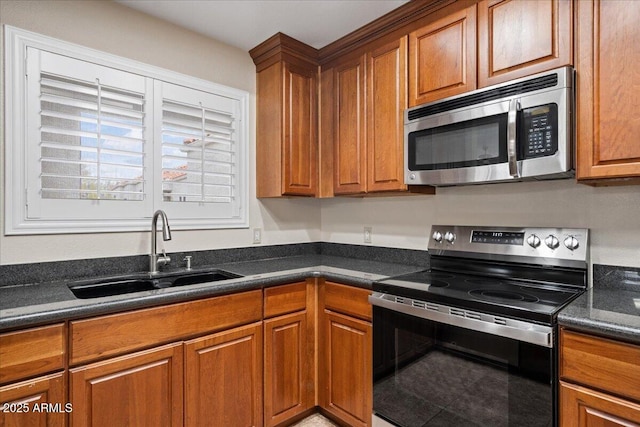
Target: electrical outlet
{"x": 367, "y": 234}
{"x": 257, "y": 235}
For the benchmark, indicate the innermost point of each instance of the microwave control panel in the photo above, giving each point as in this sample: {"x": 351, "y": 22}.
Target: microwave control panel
{"x": 539, "y": 131}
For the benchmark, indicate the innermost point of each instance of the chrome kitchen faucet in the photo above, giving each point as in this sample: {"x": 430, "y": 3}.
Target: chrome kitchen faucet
{"x": 155, "y": 261}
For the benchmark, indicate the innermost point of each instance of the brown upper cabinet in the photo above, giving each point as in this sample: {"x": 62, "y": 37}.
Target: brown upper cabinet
{"x": 330, "y": 121}
{"x": 349, "y": 144}
{"x": 608, "y": 101}
{"x": 287, "y": 135}
{"x": 386, "y": 68}
{"x": 514, "y": 38}
{"x": 364, "y": 96}
{"x": 517, "y": 38}
{"x": 443, "y": 57}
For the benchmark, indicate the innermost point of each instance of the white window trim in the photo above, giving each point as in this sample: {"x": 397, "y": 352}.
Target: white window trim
{"x": 16, "y": 43}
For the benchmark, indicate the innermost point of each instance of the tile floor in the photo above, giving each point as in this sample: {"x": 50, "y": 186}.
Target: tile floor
{"x": 315, "y": 420}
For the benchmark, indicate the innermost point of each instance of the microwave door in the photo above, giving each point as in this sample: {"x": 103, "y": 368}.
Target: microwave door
{"x": 465, "y": 146}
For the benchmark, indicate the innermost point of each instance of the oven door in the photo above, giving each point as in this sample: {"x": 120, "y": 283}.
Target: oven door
{"x": 430, "y": 373}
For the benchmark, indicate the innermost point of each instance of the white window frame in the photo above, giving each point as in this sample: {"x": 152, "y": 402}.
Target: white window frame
{"x": 16, "y": 139}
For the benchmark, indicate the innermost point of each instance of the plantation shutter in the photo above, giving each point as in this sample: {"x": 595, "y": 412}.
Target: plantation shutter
{"x": 87, "y": 156}
{"x": 200, "y": 154}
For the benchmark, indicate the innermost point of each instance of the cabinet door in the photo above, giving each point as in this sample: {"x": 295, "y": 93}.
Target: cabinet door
{"x": 386, "y": 102}
{"x": 442, "y": 58}
{"x": 300, "y": 145}
{"x": 517, "y": 38}
{"x": 223, "y": 378}
{"x": 607, "y": 62}
{"x": 288, "y": 368}
{"x": 583, "y": 407}
{"x": 22, "y": 404}
{"x": 347, "y": 368}
{"x": 140, "y": 389}
{"x": 349, "y": 150}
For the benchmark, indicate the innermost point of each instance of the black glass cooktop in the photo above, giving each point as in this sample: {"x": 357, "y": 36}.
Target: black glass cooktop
{"x": 513, "y": 298}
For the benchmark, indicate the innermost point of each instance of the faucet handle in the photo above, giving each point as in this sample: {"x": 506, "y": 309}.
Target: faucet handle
{"x": 164, "y": 259}
{"x": 187, "y": 258}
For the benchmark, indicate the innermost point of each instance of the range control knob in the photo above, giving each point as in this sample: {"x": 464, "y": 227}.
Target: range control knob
{"x": 437, "y": 236}
{"x": 449, "y": 237}
{"x": 533, "y": 241}
{"x": 552, "y": 241}
{"x": 571, "y": 243}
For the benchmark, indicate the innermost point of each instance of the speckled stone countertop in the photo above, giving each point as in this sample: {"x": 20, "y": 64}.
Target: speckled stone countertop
{"x": 611, "y": 308}
{"x": 23, "y": 305}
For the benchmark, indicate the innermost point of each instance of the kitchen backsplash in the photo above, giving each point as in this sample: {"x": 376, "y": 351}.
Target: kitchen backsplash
{"x": 611, "y": 276}
{"x": 15, "y": 274}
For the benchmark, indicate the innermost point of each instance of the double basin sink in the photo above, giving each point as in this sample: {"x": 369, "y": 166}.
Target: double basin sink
{"x": 87, "y": 289}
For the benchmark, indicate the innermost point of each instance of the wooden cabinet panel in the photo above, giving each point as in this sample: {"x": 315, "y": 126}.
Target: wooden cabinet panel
{"x": 386, "y": 102}
{"x": 347, "y": 368}
{"x": 224, "y": 378}
{"x": 603, "y": 364}
{"x": 141, "y": 389}
{"x": 442, "y": 58}
{"x": 31, "y": 352}
{"x": 349, "y": 143}
{"x": 607, "y": 60}
{"x": 582, "y": 407}
{"x": 125, "y": 332}
{"x": 347, "y": 299}
{"x": 300, "y": 146}
{"x": 523, "y": 37}
{"x": 285, "y": 299}
{"x": 269, "y": 130}
{"x": 286, "y": 118}
{"x": 288, "y": 368}
{"x": 27, "y": 398}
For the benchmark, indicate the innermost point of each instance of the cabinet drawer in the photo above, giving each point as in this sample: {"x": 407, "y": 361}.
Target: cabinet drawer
{"x": 121, "y": 333}
{"x": 31, "y": 352}
{"x": 600, "y": 363}
{"x": 347, "y": 300}
{"x": 285, "y": 299}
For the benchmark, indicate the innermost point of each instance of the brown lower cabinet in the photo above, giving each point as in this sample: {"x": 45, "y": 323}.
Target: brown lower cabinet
{"x": 255, "y": 358}
{"x": 223, "y": 378}
{"x": 345, "y": 358}
{"x": 140, "y": 389}
{"x": 289, "y": 355}
{"x": 599, "y": 381}
{"x": 32, "y": 381}
{"x": 584, "y": 407}
{"x": 27, "y": 403}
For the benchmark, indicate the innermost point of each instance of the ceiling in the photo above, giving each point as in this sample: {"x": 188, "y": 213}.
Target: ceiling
{"x": 247, "y": 23}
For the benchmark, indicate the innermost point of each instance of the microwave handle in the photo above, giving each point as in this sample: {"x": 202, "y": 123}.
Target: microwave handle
{"x": 512, "y": 157}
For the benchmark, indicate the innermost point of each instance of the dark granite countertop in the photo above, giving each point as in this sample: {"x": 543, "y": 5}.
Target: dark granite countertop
{"x": 610, "y": 309}
{"x": 25, "y": 305}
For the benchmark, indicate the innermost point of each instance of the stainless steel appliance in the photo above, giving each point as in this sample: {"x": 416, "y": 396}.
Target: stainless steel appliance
{"x": 473, "y": 340}
{"x": 520, "y": 130}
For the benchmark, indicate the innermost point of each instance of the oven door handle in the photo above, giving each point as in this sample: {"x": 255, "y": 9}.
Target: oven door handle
{"x": 494, "y": 325}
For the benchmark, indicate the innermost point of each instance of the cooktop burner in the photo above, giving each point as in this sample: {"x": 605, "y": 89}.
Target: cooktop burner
{"x": 500, "y": 295}
{"x": 514, "y": 298}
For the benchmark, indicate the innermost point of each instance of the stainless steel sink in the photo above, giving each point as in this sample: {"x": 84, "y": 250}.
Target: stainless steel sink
{"x": 125, "y": 285}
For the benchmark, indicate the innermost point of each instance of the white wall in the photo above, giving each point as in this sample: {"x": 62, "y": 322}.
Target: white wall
{"x": 119, "y": 30}
{"x": 611, "y": 213}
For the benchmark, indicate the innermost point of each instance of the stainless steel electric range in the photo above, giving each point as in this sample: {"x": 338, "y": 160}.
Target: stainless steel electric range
{"x": 473, "y": 340}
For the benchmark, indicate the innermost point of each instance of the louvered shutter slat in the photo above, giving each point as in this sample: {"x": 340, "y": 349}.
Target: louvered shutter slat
{"x": 92, "y": 140}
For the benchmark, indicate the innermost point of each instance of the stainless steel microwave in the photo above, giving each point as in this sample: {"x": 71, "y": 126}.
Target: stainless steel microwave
{"x": 515, "y": 131}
